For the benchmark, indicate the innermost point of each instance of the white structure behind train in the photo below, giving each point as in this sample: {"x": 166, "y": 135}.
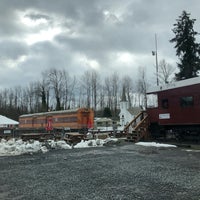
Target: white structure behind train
{"x": 127, "y": 113}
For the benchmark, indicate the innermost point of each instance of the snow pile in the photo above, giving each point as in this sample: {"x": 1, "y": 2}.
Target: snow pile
{"x": 95, "y": 143}
{"x": 51, "y": 144}
{"x": 154, "y": 144}
{"x": 89, "y": 143}
{"x": 17, "y": 147}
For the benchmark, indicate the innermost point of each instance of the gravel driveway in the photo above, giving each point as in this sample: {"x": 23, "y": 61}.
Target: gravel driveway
{"x": 119, "y": 172}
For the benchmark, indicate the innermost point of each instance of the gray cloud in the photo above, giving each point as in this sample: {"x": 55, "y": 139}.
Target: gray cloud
{"x": 35, "y": 16}
{"x": 86, "y": 34}
{"x": 12, "y": 49}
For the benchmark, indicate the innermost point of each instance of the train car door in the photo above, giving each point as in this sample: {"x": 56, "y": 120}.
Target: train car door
{"x": 49, "y": 125}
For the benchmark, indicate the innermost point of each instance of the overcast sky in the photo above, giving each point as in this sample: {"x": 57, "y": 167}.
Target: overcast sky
{"x": 79, "y": 35}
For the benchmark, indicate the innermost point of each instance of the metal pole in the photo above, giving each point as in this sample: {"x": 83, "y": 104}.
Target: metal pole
{"x": 156, "y": 54}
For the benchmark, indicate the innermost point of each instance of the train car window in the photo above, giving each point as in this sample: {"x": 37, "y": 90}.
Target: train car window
{"x": 186, "y": 101}
{"x": 152, "y": 100}
{"x": 165, "y": 103}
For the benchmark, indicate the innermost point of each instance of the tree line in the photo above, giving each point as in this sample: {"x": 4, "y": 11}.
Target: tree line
{"x": 58, "y": 90}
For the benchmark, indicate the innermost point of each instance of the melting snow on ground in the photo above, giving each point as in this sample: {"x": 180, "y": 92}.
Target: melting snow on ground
{"x": 154, "y": 144}
{"x": 192, "y": 150}
{"x": 18, "y": 146}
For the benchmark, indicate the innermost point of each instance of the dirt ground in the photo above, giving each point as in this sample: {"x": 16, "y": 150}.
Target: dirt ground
{"x": 116, "y": 172}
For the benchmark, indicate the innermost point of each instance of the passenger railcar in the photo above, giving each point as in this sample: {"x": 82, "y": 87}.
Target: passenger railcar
{"x": 76, "y": 120}
{"x": 174, "y": 110}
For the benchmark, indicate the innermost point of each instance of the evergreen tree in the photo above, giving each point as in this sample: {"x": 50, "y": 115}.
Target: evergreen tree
{"x": 107, "y": 112}
{"x": 187, "y": 49}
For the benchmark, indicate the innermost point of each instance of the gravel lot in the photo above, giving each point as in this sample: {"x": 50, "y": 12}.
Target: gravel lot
{"x": 125, "y": 171}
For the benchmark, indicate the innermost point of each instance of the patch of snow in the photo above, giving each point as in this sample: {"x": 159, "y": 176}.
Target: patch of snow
{"x": 89, "y": 143}
{"x": 61, "y": 144}
{"x": 192, "y": 150}
{"x": 44, "y": 149}
{"x": 154, "y": 144}
{"x": 18, "y": 146}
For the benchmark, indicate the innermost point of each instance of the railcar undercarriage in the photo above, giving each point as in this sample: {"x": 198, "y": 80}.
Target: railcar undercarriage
{"x": 175, "y": 132}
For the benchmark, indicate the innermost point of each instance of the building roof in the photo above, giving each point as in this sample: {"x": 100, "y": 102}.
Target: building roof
{"x": 178, "y": 84}
{"x": 50, "y": 113}
{"x": 6, "y": 121}
{"x": 103, "y": 119}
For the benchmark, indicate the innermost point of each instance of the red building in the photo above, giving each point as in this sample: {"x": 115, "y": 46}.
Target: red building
{"x": 175, "y": 108}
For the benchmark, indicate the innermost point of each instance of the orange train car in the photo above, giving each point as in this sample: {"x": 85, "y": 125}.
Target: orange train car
{"x": 76, "y": 120}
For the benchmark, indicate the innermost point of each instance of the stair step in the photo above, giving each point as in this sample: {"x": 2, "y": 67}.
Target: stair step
{"x": 140, "y": 122}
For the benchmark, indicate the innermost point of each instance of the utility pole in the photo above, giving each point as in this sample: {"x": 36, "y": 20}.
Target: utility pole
{"x": 156, "y": 59}
{"x": 155, "y": 53}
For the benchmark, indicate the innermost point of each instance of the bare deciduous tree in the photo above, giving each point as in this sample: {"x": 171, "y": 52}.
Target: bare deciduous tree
{"x": 86, "y": 87}
{"x": 115, "y": 92}
{"x": 107, "y": 89}
{"x": 127, "y": 83}
{"x": 56, "y": 89}
{"x": 111, "y": 88}
{"x": 142, "y": 87}
{"x": 166, "y": 71}
{"x": 69, "y": 86}
{"x": 56, "y": 79}
{"x": 95, "y": 85}
{"x": 43, "y": 92}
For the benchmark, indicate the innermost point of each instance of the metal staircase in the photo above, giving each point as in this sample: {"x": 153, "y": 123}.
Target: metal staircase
{"x": 137, "y": 129}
